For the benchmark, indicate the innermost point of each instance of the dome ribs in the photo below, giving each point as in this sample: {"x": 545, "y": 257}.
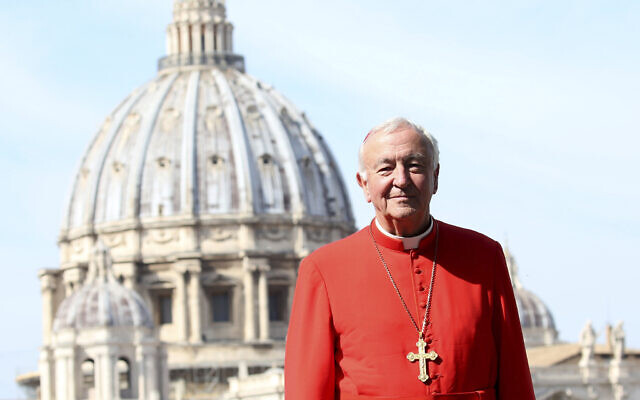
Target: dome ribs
{"x": 89, "y": 193}
{"x": 134, "y": 187}
{"x": 242, "y": 153}
{"x": 189, "y": 178}
{"x": 286, "y": 157}
{"x": 333, "y": 188}
{"x": 217, "y": 180}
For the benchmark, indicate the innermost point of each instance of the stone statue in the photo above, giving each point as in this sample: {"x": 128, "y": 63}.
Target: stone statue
{"x": 588, "y": 342}
{"x": 618, "y": 341}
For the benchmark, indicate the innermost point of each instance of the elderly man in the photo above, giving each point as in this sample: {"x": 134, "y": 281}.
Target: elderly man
{"x": 408, "y": 307}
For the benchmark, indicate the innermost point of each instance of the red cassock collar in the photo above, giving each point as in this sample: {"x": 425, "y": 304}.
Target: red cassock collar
{"x": 396, "y": 244}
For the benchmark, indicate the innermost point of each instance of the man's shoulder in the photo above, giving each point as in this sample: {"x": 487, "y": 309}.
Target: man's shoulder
{"x": 340, "y": 249}
{"x": 465, "y": 236}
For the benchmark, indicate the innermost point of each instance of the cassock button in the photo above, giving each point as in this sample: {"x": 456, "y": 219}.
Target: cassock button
{"x": 421, "y": 288}
{"x": 423, "y": 304}
{"x": 418, "y": 271}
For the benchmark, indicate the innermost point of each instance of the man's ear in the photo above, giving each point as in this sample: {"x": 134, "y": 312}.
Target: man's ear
{"x": 436, "y": 173}
{"x": 362, "y": 182}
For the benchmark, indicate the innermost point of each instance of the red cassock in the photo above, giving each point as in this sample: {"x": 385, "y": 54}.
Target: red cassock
{"x": 349, "y": 334}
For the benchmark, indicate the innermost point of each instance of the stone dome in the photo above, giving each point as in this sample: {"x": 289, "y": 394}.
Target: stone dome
{"x": 102, "y": 301}
{"x": 533, "y": 312}
{"x": 204, "y": 141}
{"x": 536, "y": 319}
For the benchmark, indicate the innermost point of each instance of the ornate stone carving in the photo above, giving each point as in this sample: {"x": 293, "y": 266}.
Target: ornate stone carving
{"x": 274, "y": 233}
{"x": 113, "y": 241}
{"x": 220, "y": 234}
{"x": 130, "y": 126}
{"x": 77, "y": 246}
{"x": 117, "y": 166}
{"x": 169, "y": 120}
{"x": 163, "y": 162}
{"x": 106, "y": 125}
{"x": 318, "y": 234}
{"x": 212, "y": 115}
{"x": 163, "y": 236}
{"x": 253, "y": 112}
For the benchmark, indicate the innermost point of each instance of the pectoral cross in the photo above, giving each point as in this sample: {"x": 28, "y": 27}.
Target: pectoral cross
{"x": 422, "y": 357}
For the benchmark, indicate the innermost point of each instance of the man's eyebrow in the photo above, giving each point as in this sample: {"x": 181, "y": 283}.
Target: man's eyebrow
{"x": 381, "y": 161}
{"x": 415, "y": 156}
{"x": 408, "y": 157}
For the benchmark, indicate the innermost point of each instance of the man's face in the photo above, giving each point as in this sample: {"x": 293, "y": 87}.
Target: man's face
{"x": 400, "y": 179}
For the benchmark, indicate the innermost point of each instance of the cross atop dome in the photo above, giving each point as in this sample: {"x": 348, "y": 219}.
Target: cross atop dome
{"x": 200, "y": 35}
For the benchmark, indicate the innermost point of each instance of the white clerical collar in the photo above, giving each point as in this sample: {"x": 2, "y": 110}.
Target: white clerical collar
{"x": 409, "y": 242}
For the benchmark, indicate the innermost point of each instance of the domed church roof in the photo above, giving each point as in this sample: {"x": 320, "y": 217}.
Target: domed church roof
{"x": 536, "y": 319}
{"x": 204, "y": 140}
{"x": 102, "y": 301}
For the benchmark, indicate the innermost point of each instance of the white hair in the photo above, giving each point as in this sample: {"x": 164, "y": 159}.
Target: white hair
{"x": 393, "y": 125}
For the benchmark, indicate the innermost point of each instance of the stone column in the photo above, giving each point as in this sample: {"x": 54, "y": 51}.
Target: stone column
{"x": 208, "y": 39}
{"x": 249, "y": 310}
{"x": 196, "y": 38}
{"x": 65, "y": 378}
{"x": 172, "y": 40}
{"x": 219, "y": 37}
{"x": 184, "y": 39}
{"x": 229, "y": 37}
{"x": 180, "y": 317}
{"x": 105, "y": 369}
{"x": 47, "y": 288}
{"x": 152, "y": 374}
{"x": 263, "y": 302}
{"x": 195, "y": 316}
{"x": 243, "y": 370}
{"x": 143, "y": 385}
{"x": 164, "y": 373}
{"x": 46, "y": 369}
{"x": 189, "y": 300}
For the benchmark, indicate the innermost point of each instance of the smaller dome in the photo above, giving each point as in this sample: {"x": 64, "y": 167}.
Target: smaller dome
{"x": 533, "y": 312}
{"x": 538, "y": 326}
{"x": 102, "y": 301}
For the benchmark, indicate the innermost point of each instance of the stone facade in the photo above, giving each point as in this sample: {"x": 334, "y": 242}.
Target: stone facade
{"x": 209, "y": 187}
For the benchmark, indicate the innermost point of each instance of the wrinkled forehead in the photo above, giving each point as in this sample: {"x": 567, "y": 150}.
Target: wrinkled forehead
{"x": 377, "y": 143}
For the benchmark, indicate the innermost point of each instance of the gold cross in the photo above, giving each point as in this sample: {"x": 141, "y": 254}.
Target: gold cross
{"x": 422, "y": 357}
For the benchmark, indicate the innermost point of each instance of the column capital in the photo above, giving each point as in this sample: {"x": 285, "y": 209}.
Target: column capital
{"x": 48, "y": 279}
{"x": 191, "y": 265}
{"x": 256, "y": 264}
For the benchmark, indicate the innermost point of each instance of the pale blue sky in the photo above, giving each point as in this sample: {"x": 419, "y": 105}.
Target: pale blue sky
{"x": 535, "y": 105}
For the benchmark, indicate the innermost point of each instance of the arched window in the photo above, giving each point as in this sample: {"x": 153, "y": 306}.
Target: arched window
{"x": 124, "y": 377}
{"x": 88, "y": 373}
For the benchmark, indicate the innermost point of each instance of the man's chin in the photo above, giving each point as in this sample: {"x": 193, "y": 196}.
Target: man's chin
{"x": 403, "y": 213}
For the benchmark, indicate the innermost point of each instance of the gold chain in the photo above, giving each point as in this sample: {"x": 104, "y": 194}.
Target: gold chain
{"x": 433, "y": 275}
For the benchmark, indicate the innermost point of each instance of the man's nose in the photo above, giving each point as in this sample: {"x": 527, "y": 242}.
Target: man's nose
{"x": 400, "y": 178}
